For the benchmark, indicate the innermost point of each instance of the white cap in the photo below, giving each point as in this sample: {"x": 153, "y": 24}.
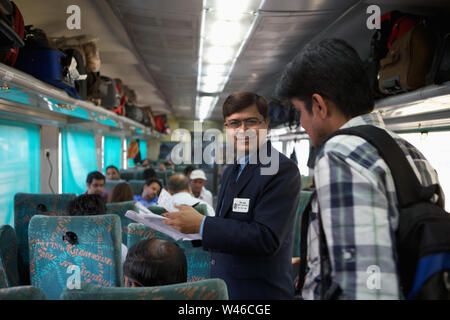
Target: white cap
{"x": 197, "y": 174}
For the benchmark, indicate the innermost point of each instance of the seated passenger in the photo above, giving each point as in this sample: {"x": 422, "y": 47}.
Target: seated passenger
{"x": 112, "y": 173}
{"x": 162, "y": 167}
{"x": 198, "y": 180}
{"x": 120, "y": 193}
{"x": 154, "y": 262}
{"x": 150, "y": 193}
{"x": 146, "y": 163}
{"x": 90, "y": 205}
{"x": 178, "y": 187}
{"x": 95, "y": 183}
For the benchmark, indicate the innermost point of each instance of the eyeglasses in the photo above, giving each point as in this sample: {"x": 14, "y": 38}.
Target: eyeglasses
{"x": 249, "y": 123}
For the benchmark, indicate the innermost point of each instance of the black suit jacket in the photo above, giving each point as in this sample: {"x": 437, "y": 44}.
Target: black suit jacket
{"x": 252, "y": 251}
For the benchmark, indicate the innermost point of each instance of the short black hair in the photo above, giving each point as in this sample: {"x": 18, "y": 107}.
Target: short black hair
{"x": 333, "y": 69}
{"x": 86, "y": 205}
{"x": 238, "y": 101}
{"x": 113, "y": 167}
{"x": 149, "y": 173}
{"x": 150, "y": 181}
{"x": 155, "y": 262}
{"x": 94, "y": 175}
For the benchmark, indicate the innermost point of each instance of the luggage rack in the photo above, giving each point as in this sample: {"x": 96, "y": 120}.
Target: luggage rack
{"x": 423, "y": 109}
{"x": 24, "y": 97}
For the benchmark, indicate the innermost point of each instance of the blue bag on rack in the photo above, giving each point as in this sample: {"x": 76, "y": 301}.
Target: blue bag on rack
{"x": 50, "y": 65}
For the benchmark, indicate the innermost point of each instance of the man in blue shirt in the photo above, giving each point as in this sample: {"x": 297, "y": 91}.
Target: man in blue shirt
{"x": 150, "y": 193}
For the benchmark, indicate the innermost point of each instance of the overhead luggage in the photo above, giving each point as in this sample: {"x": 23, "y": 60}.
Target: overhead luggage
{"x": 105, "y": 94}
{"x": 88, "y": 47}
{"x": 405, "y": 47}
{"x": 12, "y": 30}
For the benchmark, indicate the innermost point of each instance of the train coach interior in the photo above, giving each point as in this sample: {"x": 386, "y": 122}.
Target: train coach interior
{"x": 172, "y": 64}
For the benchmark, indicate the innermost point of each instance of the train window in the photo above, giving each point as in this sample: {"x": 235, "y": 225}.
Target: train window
{"x": 112, "y": 151}
{"x": 20, "y": 170}
{"x": 77, "y": 162}
{"x": 431, "y": 145}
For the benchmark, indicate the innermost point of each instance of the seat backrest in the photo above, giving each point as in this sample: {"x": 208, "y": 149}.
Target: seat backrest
{"x": 137, "y": 186}
{"x": 304, "y": 199}
{"x": 8, "y": 255}
{"x": 157, "y": 209}
{"x": 138, "y": 232}
{"x": 120, "y": 208}
{"x": 139, "y": 174}
{"x": 201, "y": 208}
{"x": 22, "y": 293}
{"x": 198, "y": 260}
{"x": 110, "y": 184}
{"x": 211, "y": 289}
{"x": 126, "y": 174}
{"x": 161, "y": 176}
{"x": 94, "y": 256}
{"x": 26, "y": 205}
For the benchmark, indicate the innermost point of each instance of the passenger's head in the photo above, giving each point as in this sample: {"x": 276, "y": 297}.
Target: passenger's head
{"x": 245, "y": 115}
{"x": 178, "y": 183}
{"x": 146, "y": 163}
{"x": 198, "y": 180}
{"x": 95, "y": 182}
{"x": 86, "y": 205}
{"x": 120, "y": 193}
{"x": 187, "y": 171}
{"x": 112, "y": 173}
{"x": 162, "y": 167}
{"x": 151, "y": 190}
{"x": 327, "y": 83}
{"x": 149, "y": 173}
{"x": 154, "y": 262}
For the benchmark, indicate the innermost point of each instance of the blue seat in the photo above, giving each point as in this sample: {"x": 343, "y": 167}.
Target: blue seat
{"x": 211, "y": 289}
{"x": 94, "y": 257}
{"x": 198, "y": 260}
{"x": 22, "y": 293}
{"x": 120, "y": 208}
{"x": 26, "y": 205}
{"x": 8, "y": 255}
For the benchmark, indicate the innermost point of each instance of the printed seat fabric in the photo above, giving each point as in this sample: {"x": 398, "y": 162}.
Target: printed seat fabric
{"x": 94, "y": 255}
{"x": 137, "y": 186}
{"x": 120, "y": 208}
{"x": 26, "y": 205}
{"x": 304, "y": 199}
{"x": 198, "y": 260}
{"x": 22, "y": 293}
{"x": 157, "y": 209}
{"x": 210, "y": 289}
{"x": 8, "y": 256}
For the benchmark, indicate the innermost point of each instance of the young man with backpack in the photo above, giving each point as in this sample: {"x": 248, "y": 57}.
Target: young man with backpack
{"x": 354, "y": 218}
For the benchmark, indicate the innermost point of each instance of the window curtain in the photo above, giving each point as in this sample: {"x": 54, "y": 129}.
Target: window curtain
{"x": 112, "y": 152}
{"x": 78, "y": 159}
{"x": 20, "y": 169}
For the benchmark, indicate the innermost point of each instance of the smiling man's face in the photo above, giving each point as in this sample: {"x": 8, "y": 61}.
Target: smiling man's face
{"x": 246, "y": 129}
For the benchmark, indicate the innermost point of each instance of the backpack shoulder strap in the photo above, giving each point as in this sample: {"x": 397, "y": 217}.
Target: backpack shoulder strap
{"x": 408, "y": 188}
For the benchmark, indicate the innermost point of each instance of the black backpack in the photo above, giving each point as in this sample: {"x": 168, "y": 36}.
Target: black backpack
{"x": 423, "y": 235}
